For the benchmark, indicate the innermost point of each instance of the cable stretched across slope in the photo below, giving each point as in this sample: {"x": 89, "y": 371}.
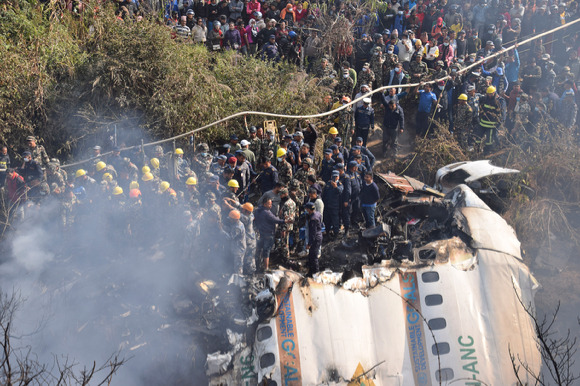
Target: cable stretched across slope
{"x": 327, "y": 113}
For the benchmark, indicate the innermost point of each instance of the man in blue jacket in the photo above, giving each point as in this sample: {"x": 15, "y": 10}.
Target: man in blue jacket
{"x": 369, "y": 196}
{"x": 265, "y": 222}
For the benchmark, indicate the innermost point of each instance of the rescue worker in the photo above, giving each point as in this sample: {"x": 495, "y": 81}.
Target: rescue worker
{"x": 331, "y": 196}
{"x": 463, "y": 120}
{"x": 287, "y": 212}
{"x": 303, "y": 173}
{"x": 37, "y": 152}
{"x": 344, "y": 86}
{"x": 284, "y": 167}
{"x": 265, "y": 222}
{"x": 329, "y": 141}
{"x": 269, "y": 175}
{"x": 492, "y": 113}
{"x": 314, "y": 238}
{"x": 364, "y": 120}
{"x": 369, "y": 196}
{"x": 393, "y": 124}
{"x": 237, "y": 237}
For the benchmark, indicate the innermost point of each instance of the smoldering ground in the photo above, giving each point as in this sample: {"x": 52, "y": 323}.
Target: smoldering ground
{"x": 89, "y": 291}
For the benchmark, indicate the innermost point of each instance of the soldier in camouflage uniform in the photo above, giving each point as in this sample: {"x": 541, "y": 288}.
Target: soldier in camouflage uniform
{"x": 345, "y": 121}
{"x": 418, "y": 69}
{"x": 391, "y": 61}
{"x": 255, "y": 143}
{"x": 463, "y": 120}
{"x": 212, "y": 206}
{"x": 202, "y": 160}
{"x": 329, "y": 138}
{"x": 38, "y": 153}
{"x": 325, "y": 73}
{"x": 287, "y": 212}
{"x": 284, "y": 167}
{"x": 344, "y": 86}
{"x": 297, "y": 194}
{"x": 303, "y": 173}
{"x": 55, "y": 179}
{"x": 68, "y": 205}
{"x": 268, "y": 145}
{"x": 376, "y": 66}
{"x": 439, "y": 72}
{"x": 366, "y": 76}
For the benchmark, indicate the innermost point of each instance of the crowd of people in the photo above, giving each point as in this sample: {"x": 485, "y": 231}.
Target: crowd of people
{"x": 270, "y": 191}
{"x": 242, "y": 199}
{"x": 410, "y": 42}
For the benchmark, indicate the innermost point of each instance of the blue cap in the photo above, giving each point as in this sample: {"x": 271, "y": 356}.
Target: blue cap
{"x": 386, "y": 32}
{"x": 309, "y": 205}
{"x": 26, "y": 153}
{"x": 338, "y": 139}
{"x": 339, "y": 165}
{"x": 356, "y": 148}
{"x": 223, "y": 157}
{"x": 328, "y": 151}
{"x": 239, "y": 152}
{"x": 358, "y": 139}
{"x": 272, "y": 36}
{"x": 234, "y": 137}
{"x": 335, "y": 173}
{"x": 227, "y": 146}
{"x": 364, "y": 35}
{"x": 214, "y": 178}
{"x": 334, "y": 147}
{"x": 352, "y": 163}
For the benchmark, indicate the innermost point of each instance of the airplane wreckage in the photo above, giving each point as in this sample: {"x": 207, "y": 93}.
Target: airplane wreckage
{"x": 434, "y": 295}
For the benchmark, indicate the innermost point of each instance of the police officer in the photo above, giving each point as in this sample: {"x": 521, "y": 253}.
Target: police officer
{"x": 364, "y": 120}
{"x": 269, "y": 175}
{"x": 331, "y": 196}
{"x": 365, "y": 151}
{"x": 353, "y": 176}
{"x": 393, "y": 124}
{"x": 327, "y": 166}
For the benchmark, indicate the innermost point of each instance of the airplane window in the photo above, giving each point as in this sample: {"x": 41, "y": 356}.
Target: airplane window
{"x": 437, "y": 323}
{"x": 264, "y": 333}
{"x": 267, "y": 360}
{"x": 433, "y": 300}
{"x": 443, "y": 348}
{"x": 430, "y": 277}
{"x": 444, "y": 375}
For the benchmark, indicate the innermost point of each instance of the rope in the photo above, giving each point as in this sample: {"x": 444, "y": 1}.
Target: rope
{"x": 327, "y": 113}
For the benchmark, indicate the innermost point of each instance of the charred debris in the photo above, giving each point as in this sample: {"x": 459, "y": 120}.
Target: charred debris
{"x": 415, "y": 223}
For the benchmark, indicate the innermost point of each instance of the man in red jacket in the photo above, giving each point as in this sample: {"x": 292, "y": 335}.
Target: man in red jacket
{"x": 15, "y": 186}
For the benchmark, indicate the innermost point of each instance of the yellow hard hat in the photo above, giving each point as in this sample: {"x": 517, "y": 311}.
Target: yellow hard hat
{"x": 462, "y": 97}
{"x": 280, "y": 153}
{"x": 163, "y": 186}
{"x": 145, "y": 169}
{"x": 100, "y": 166}
{"x": 147, "y": 177}
{"x": 179, "y": 151}
{"x": 235, "y": 214}
{"x": 490, "y": 90}
{"x": 191, "y": 181}
{"x": 80, "y": 173}
{"x": 248, "y": 206}
{"x": 155, "y": 163}
{"x": 333, "y": 130}
{"x": 118, "y": 190}
{"x": 133, "y": 185}
{"x": 233, "y": 184}
{"x": 107, "y": 177}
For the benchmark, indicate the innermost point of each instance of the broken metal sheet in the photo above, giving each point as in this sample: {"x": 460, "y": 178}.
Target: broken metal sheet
{"x": 405, "y": 184}
{"x": 470, "y": 316}
{"x": 467, "y": 172}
